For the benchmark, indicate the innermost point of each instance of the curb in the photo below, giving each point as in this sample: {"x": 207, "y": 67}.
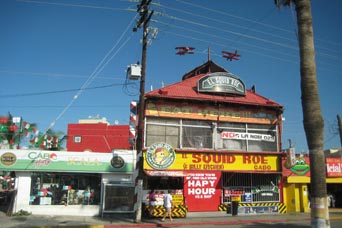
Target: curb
{"x": 172, "y": 224}
{"x": 198, "y": 221}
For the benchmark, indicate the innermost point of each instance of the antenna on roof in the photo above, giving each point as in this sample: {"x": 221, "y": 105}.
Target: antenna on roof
{"x": 208, "y": 54}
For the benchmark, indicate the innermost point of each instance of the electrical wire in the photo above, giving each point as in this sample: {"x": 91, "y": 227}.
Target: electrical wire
{"x": 225, "y": 22}
{"x": 57, "y": 75}
{"x": 72, "y": 5}
{"x": 251, "y": 20}
{"x": 223, "y": 38}
{"x": 291, "y": 47}
{"x": 57, "y": 91}
{"x": 234, "y": 16}
{"x": 256, "y": 46}
{"x": 254, "y": 52}
{"x": 231, "y": 32}
{"x": 318, "y": 53}
{"x": 107, "y": 58}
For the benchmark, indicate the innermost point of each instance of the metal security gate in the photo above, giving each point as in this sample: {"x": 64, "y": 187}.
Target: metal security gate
{"x": 118, "y": 199}
{"x": 250, "y": 187}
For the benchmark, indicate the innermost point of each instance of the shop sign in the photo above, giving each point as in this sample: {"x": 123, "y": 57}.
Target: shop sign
{"x": 160, "y": 155}
{"x": 247, "y": 136}
{"x": 219, "y": 162}
{"x": 258, "y": 209}
{"x": 334, "y": 167}
{"x": 42, "y": 160}
{"x": 201, "y": 185}
{"x": 201, "y": 112}
{"x": 236, "y": 198}
{"x": 8, "y": 159}
{"x": 233, "y": 191}
{"x": 202, "y": 190}
{"x": 221, "y": 82}
{"x": 248, "y": 197}
{"x": 117, "y": 162}
{"x": 299, "y": 166}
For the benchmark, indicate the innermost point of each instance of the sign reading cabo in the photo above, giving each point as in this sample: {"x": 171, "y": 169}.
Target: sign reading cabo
{"x": 221, "y": 82}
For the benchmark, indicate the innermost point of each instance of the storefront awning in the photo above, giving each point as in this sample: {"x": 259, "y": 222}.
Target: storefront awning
{"x": 304, "y": 179}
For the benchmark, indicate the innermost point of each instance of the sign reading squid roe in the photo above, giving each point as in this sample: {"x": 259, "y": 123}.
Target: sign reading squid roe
{"x": 189, "y": 161}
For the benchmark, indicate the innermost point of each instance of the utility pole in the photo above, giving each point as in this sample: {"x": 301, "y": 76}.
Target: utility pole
{"x": 339, "y": 127}
{"x": 145, "y": 16}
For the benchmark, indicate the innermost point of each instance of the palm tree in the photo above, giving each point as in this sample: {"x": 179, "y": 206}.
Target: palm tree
{"x": 313, "y": 121}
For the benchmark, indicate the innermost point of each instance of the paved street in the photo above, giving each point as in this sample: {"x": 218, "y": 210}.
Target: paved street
{"x": 211, "y": 219}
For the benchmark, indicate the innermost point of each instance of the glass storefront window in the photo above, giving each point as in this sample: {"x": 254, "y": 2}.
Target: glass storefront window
{"x": 197, "y": 134}
{"x": 184, "y": 133}
{"x": 65, "y": 189}
{"x": 162, "y": 130}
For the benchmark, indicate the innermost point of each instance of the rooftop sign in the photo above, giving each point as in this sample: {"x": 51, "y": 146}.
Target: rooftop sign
{"x": 221, "y": 82}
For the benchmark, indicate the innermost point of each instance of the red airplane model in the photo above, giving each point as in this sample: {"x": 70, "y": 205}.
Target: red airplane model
{"x": 185, "y": 50}
{"x": 230, "y": 56}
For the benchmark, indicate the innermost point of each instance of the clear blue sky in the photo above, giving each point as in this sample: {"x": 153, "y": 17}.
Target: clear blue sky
{"x": 51, "y": 48}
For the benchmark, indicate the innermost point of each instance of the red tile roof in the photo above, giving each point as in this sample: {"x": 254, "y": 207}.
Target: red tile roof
{"x": 187, "y": 90}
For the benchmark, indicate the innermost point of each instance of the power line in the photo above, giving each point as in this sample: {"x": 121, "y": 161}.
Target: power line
{"x": 57, "y": 91}
{"x": 231, "y": 32}
{"x": 318, "y": 53}
{"x": 252, "y": 21}
{"x": 287, "y": 47}
{"x": 268, "y": 50}
{"x": 107, "y": 58}
{"x": 234, "y": 16}
{"x": 292, "y": 47}
{"x": 57, "y": 75}
{"x": 222, "y": 38}
{"x": 73, "y": 5}
{"x": 47, "y": 106}
{"x": 222, "y": 22}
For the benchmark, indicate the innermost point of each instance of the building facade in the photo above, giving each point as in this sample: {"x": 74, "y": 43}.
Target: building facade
{"x": 214, "y": 141}
{"x": 296, "y": 179}
{"x": 97, "y": 135}
{"x": 70, "y": 183}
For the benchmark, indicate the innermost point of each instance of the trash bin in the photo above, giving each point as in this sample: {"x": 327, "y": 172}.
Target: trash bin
{"x": 229, "y": 209}
{"x": 234, "y": 209}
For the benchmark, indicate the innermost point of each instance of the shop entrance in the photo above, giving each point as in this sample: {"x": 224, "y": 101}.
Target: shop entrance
{"x": 334, "y": 192}
{"x": 297, "y": 197}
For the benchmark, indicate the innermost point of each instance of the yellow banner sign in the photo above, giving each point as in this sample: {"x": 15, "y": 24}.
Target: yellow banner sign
{"x": 210, "y": 113}
{"x": 218, "y": 162}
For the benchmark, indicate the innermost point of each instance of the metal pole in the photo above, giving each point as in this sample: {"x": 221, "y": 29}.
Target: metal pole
{"x": 339, "y": 127}
{"x": 144, "y": 20}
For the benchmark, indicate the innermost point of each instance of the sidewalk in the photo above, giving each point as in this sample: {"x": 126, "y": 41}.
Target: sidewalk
{"x": 126, "y": 220}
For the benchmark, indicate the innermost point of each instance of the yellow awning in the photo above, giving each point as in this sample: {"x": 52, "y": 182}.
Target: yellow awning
{"x": 304, "y": 179}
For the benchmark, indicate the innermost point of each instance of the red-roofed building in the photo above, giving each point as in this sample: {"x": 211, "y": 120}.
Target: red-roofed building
{"x": 215, "y": 141}
{"x": 97, "y": 135}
